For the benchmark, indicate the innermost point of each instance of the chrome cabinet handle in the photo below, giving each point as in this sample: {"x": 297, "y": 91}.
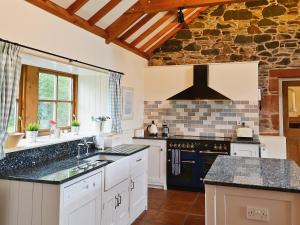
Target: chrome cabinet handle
{"x": 201, "y": 179}
{"x": 187, "y": 151}
{"x": 138, "y": 160}
{"x": 211, "y": 152}
{"x": 191, "y": 162}
{"x": 116, "y": 202}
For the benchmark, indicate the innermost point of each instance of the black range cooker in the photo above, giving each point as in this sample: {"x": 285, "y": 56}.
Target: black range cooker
{"x": 189, "y": 158}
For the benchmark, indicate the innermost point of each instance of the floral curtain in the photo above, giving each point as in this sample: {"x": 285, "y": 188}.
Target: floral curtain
{"x": 115, "y": 97}
{"x": 10, "y": 71}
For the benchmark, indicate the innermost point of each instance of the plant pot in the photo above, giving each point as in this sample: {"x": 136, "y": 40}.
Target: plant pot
{"x": 31, "y": 136}
{"x": 75, "y": 130}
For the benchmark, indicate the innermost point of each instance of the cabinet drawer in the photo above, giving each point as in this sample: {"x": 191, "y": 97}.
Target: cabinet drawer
{"x": 82, "y": 188}
{"x": 138, "y": 161}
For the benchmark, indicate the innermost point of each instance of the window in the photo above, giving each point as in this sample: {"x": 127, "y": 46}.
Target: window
{"x": 46, "y": 95}
{"x": 56, "y": 100}
{"x": 13, "y": 119}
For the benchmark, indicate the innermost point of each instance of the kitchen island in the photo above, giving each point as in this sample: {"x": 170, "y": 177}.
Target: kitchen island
{"x": 243, "y": 191}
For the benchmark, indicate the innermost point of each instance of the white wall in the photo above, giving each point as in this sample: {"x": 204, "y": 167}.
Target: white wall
{"x": 26, "y": 24}
{"x": 238, "y": 81}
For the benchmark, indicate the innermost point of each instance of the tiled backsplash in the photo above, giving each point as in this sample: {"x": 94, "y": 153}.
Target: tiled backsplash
{"x": 203, "y": 118}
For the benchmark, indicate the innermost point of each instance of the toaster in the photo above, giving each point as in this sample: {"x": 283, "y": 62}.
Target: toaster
{"x": 244, "y": 132}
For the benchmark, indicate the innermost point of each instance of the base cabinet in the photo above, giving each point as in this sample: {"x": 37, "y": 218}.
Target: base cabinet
{"x": 234, "y": 206}
{"x": 115, "y": 206}
{"x": 138, "y": 195}
{"x": 157, "y": 172}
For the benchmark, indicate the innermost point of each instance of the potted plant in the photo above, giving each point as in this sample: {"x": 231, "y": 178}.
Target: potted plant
{"x": 32, "y": 130}
{"x": 75, "y": 126}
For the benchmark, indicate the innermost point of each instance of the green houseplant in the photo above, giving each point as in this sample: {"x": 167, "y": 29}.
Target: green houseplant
{"x": 32, "y": 130}
{"x": 75, "y": 125}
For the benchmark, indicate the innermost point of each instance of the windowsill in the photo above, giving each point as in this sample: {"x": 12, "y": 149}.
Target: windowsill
{"x": 46, "y": 140}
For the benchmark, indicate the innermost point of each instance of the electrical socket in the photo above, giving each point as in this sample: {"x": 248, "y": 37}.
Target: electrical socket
{"x": 257, "y": 213}
{"x": 238, "y": 121}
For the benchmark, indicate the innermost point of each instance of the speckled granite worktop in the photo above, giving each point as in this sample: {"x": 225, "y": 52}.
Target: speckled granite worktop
{"x": 57, "y": 164}
{"x": 255, "y": 173}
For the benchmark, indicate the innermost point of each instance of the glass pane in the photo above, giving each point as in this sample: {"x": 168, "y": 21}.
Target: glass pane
{"x": 64, "y": 88}
{"x": 47, "y": 83}
{"x": 294, "y": 106}
{"x": 64, "y": 114}
{"x": 12, "y": 120}
{"x": 46, "y": 112}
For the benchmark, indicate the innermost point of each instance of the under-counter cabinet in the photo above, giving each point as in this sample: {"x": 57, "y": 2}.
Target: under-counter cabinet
{"x": 157, "y": 156}
{"x": 75, "y": 202}
{"x": 115, "y": 206}
{"x": 126, "y": 196}
{"x": 245, "y": 150}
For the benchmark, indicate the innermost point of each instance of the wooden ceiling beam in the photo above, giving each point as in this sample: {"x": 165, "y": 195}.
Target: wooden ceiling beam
{"x": 151, "y": 6}
{"x": 152, "y": 28}
{"x": 80, "y": 22}
{"x": 123, "y": 23}
{"x": 137, "y": 26}
{"x": 103, "y": 11}
{"x": 72, "y": 9}
{"x": 174, "y": 26}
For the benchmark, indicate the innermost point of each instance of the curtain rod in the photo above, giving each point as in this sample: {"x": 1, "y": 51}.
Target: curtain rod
{"x": 59, "y": 56}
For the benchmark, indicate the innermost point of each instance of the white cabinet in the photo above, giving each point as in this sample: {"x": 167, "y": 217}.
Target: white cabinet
{"x": 82, "y": 202}
{"x": 244, "y": 150}
{"x": 115, "y": 206}
{"x": 157, "y": 156}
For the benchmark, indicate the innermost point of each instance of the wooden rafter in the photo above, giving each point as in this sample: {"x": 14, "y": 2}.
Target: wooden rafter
{"x": 137, "y": 26}
{"x": 80, "y": 22}
{"x": 152, "y": 28}
{"x": 190, "y": 16}
{"x": 150, "y": 6}
{"x": 103, "y": 11}
{"x": 123, "y": 23}
{"x": 76, "y": 6}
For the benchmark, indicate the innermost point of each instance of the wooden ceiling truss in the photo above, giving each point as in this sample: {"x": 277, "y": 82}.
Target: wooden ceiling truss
{"x": 142, "y": 28}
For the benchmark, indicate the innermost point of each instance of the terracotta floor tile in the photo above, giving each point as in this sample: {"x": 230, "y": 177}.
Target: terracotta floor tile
{"x": 155, "y": 203}
{"x": 184, "y": 207}
{"x": 170, "y": 218}
{"x": 173, "y": 208}
{"x": 199, "y": 206}
{"x": 195, "y": 220}
{"x": 183, "y": 196}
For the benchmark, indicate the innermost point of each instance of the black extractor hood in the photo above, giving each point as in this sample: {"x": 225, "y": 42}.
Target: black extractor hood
{"x": 200, "y": 89}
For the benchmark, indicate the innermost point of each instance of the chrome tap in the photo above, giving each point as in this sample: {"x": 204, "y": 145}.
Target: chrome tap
{"x": 88, "y": 145}
{"x": 79, "y": 149}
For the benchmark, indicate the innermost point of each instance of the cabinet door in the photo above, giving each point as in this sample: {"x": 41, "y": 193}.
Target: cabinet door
{"x": 109, "y": 211}
{"x": 123, "y": 208}
{"x": 138, "y": 195}
{"x": 155, "y": 166}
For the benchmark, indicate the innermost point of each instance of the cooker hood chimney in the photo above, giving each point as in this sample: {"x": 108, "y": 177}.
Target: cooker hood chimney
{"x": 200, "y": 89}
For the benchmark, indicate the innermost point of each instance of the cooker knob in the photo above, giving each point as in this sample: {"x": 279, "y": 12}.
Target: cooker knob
{"x": 179, "y": 145}
{"x": 183, "y": 145}
{"x": 188, "y": 145}
{"x": 175, "y": 145}
{"x": 171, "y": 145}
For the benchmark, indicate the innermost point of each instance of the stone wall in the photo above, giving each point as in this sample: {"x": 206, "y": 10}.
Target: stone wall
{"x": 264, "y": 30}
{"x": 202, "y": 118}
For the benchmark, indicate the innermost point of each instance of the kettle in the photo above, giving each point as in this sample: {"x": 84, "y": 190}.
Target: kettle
{"x": 165, "y": 130}
{"x": 152, "y": 129}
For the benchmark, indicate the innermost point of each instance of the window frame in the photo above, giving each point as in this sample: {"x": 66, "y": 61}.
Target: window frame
{"x": 23, "y": 100}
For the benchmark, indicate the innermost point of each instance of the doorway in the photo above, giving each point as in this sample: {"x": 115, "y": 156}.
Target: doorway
{"x": 291, "y": 118}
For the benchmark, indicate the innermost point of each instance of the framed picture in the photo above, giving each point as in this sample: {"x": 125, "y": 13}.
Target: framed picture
{"x": 127, "y": 103}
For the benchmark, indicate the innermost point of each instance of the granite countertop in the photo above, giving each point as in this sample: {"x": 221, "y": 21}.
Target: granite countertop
{"x": 255, "y": 173}
{"x": 61, "y": 171}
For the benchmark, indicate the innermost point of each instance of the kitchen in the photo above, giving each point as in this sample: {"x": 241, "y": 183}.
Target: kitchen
{"x": 245, "y": 59}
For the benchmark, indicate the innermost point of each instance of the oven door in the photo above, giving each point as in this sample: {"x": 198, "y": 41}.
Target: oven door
{"x": 207, "y": 159}
{"x": 189, "y": 176}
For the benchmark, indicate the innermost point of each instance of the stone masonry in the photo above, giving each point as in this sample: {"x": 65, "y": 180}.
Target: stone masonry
{"x": 264, "y": 30}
